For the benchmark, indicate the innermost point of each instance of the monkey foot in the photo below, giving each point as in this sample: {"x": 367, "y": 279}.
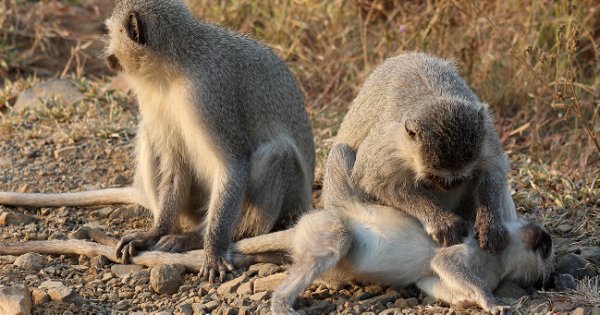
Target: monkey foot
{"x": 129, "y": 244}
{"x": 214, "y": 264}
{"x": 177, "y": 243}
{"x": 450, "y": 231}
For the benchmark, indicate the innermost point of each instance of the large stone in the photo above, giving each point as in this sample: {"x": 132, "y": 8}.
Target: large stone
{"x": 15, "y": 218}
{"x": 39, "y": 95}
{"x": 58, "y": 291}
{"x": 31, "y": 261}
{"x": 123, "y": 271}
{"x": 165, "y": 279}
{"x": 230, "y": 286}
{"x": 15, "y": 300}
{"x": 264, "y": 269}
{"x": 269, "y": 283}
{"x": 39, "y": 296}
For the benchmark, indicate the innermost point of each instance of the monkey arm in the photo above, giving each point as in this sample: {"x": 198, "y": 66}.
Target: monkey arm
{"x": 228, "y": 191}
{"x": 337, "y": 183}
{"x": 490, "y": 230}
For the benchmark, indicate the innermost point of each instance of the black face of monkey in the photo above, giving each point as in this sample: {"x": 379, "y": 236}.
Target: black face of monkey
{"x": 536, "y": 239}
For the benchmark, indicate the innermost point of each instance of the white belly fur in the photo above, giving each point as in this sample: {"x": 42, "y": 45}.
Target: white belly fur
{"x": 173, "y": 125}
{"x": 387, "y": 242}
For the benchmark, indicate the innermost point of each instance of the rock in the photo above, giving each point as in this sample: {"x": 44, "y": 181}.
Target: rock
{"x": 244, "y": 289}
{"x": 80, "y": 234}
{"x": 5, "y": 162}
{"x": 40, "y": 94}
{"x": 210, "y": 306}
{"x": 184, "y": 309}
{"x": 575, "y": 265}
{"x": 39, "y": 296}
{"x": 269, "y": 283}
{"x": 58, "y": 291}
{"x": 383, "y": 299}
{"x": 8, "y": 259}
{"x": 165, "y": 279}
{"x": 259, "y": 296}
{"x": 102, "y": 213}
{"x": 323, "y": 307}
{"x": 510, "y": 289}
{"x": 64, "y": 153}
{"x": 118, "y": 180}
{"x": 15, "y": 300}
{"x": 579, "y": 311}
{"x": 57, "y": 235}
{"x": 99, "y": 261}
{"x": 31, "y": 261}
{"x": 412, "y": 302}
{"x": 401, "y": 304}
{"x": 230, "y": 286}
{"x": 374, "y": 289}
{"x": 123, "y": 271}
{"x": 564, "y": 228}
{"x": 199, "y": 308}
{"x": 564, "y": 282}
{"x": 591, "y": 253}
{"x": 264, "y": 269}
{"x": 15, "y": 218}
{"x": 560, "y": 306}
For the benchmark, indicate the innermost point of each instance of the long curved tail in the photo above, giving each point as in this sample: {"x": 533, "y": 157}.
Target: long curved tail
{"x": 83, "y": 199}
{"x": 280, "y": 241}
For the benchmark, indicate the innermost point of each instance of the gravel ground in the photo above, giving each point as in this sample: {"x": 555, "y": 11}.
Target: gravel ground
{"x": 85, "y": 146}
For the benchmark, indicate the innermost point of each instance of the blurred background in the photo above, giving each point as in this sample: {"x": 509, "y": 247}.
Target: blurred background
{"x": 535, "y": 62}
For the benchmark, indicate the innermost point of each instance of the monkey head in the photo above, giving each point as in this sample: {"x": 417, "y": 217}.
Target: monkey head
{"x": 448, "y": 138}
{"x": 530, "y": 254}
{"x": 140, "y": 36}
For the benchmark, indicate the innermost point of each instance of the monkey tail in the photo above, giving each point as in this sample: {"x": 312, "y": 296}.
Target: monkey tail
{"x": 280, "y": 241}
{"x": 83, "y": 199}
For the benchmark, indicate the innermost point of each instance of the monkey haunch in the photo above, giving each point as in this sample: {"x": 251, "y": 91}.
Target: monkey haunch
{"x": 427, "y": 146}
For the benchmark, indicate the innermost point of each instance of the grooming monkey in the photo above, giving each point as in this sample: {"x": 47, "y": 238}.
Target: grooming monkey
{"x": 426, "y": 145}
{"x": 224, "y": 146}
{"x": 357, "y": 240}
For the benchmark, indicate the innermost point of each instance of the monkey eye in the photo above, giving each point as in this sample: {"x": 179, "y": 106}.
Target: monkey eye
{"x": 135, "y": 29}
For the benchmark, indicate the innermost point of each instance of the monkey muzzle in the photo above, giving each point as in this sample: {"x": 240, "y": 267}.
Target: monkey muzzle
{"x": 113, "y": 63}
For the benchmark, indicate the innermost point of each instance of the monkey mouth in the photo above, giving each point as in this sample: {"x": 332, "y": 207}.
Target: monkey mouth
{"x": 113, "y": 63}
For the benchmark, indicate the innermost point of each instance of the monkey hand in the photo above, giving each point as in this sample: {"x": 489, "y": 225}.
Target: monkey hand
{"x": 129, "y": 244}
{"x": 215, "y": 262}
{"x": 492, "y": 235}
{"x": 448, "y": 230}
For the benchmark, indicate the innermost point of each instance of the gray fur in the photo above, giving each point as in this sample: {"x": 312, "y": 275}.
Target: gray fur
{"x": 357, "y": 240}
{"x": 425, "y": 144}
{"x": 224, "y": 144}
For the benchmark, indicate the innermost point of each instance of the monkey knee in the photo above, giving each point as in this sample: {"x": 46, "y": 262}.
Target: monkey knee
{"x": 321, "y": 234}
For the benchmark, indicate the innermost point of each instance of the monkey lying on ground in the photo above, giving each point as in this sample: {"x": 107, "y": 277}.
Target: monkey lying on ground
{"x": 426, "y": 145}
{"x": 356, "y": 240}
{"x": 224, "y": 146}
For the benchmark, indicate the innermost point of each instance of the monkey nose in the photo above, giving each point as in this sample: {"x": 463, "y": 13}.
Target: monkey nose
{"x": 113, "y": 63}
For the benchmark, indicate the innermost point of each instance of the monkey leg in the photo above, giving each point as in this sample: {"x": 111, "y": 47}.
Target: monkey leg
{"x": 320, "y": 240}
{"x": 456, "y": 284}
{"x": 278, "y": 191}
{"x": 173, "y": 194}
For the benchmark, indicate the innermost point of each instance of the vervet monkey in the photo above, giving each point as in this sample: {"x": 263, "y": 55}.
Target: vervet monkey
{"x": 224, "y": 146}
{"x": 357, "y": 240}
{"x": 426, "y": 145}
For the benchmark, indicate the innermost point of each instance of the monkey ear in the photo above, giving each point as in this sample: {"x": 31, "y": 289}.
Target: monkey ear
{"x": 411, "y": 128}
{"x": 136, "y": 28}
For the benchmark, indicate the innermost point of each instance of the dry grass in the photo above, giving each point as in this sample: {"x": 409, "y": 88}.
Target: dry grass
{"x": 535, "y": 62}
